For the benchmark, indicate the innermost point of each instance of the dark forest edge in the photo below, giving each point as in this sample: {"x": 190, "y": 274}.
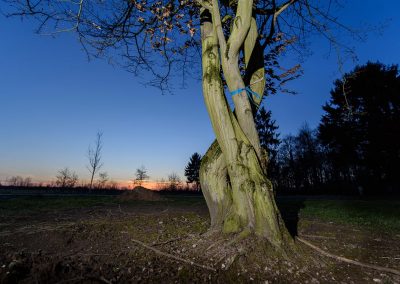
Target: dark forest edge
{"x": 355, "y": 148}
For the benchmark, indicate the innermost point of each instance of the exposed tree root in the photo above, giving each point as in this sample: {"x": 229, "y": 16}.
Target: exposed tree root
{"x": 177, "y": 258}
{"x": 343, "y": 259}
{"x": 224, "y": 252}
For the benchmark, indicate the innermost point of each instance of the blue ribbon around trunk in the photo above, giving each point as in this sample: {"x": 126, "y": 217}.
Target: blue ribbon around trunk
{"x": 249, "y": 92}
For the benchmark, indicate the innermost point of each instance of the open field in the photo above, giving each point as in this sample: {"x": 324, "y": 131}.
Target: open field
{"x": 108, "y": 240}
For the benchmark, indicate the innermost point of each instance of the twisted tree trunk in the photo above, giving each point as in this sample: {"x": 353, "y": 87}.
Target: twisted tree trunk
{"x": 239, "y": 195}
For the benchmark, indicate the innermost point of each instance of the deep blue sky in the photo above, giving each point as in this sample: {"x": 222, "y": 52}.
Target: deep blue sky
{"x": 53, "y": 101}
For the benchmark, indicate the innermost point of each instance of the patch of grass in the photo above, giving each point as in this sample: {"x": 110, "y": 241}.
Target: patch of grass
{"x": 40, "y": 204}
{"x": 186, "y": 199}
{"x": 373, "y": 214}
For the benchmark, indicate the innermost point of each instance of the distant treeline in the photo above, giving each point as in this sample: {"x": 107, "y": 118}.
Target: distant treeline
{"x": 356, "y": 147}
{"x": 78, "y": 190}
{"x": 37, "y": 190}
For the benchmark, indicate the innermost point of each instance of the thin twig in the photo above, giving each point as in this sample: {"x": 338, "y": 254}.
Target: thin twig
{"x": 168, "y": 241}
{"x": 93, "y": 254}
{"x": 70, "y": 280}
{"x": 318, "y": 237}
{"x": 100, "y": 279}
{"x": 256, "y": 81}
{"x": 173, "y": 256}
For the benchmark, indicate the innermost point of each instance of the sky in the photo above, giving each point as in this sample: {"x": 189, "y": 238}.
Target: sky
{"x": 53, "y": 101}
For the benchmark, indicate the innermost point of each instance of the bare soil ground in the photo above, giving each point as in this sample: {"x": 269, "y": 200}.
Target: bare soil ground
{"x": 114, "y": 241}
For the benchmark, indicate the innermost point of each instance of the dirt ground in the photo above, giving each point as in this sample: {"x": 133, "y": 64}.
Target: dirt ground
{"x": 166, "y": 242}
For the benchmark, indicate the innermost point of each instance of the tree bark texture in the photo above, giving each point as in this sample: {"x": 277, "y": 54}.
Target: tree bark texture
{"x": 238, "y": 194}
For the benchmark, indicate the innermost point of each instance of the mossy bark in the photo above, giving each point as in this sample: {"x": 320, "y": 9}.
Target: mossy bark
{"x": 239, "y": 195}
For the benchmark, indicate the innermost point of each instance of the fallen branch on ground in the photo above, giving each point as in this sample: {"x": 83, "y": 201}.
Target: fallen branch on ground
{"x": 343, "y": 259}
{"x": 177, "y": 258}
{"x": 318, "y": 237}
{"x": 168, "y": 241}
{"x": 100, "y": 279}
{"x": 397, "y": 258}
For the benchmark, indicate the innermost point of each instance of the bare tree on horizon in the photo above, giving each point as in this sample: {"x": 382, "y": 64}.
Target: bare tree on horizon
{"x": 66, "y": 178}
{"x": 141, "y": 175}
{"x": 19, "y": 181}
{"x": 174, "y": 181}
{"x": 103, "y": 179}
{"x": 94, "y": 156}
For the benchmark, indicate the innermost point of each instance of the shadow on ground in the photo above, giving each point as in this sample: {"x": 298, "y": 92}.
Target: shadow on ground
{"x": 290, "y": 210}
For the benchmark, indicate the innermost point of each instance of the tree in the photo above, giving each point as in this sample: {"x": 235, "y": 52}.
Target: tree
{"x": 141, "y": 175}
{"x": 103, "y": 179}
{"x": 174, "y": 182}
{"x": 361, "y": 125}
{"x": 288, "y": 177}
{"x": 269, "y": 141}
{"x": 28, "y": 182}
{"x": 309, "y": 158}
{"x": 267, "y": 130}
{"x": 113, "y": 185}
{"x": 20, "y": 181}
{"x": 94, "y": 157}
{"x": 192, "y": 170}
{"x": 66, "y": 178}
{"x": 302, "y": 162}
{"x": 161, "y": 184}
{"x": 240, "y": 40}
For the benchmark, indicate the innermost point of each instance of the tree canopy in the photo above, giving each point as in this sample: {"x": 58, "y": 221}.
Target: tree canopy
{"x": 361, "y": 126}
{"x": 162, "y": 38}
{"x": 140, "y": 175}
{"x": 192, "y": 170}
{"x": 267, "y": 130}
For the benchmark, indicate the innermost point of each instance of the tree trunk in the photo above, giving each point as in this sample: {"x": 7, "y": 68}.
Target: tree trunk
{"x": 237, "y": 191}
{"x": 91, "y": 180}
